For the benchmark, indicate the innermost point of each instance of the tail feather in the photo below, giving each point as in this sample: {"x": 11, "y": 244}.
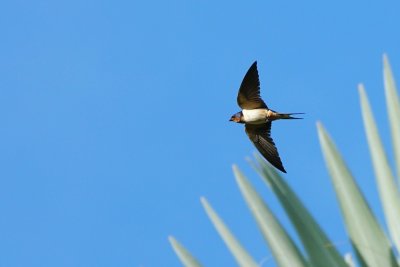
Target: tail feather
{"x": 288, "y": 116}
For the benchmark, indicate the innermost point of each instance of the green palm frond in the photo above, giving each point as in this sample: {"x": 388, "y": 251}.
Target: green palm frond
{"x": 242, "y": 257}
{"x": 367, "y": 237}
{"x": 282, "y": 246}
{"x": 393, "y": 109}
{"x": 183, "y": 254}
{"x": 319, "y": 248}
{"x": 372, "y": 247}
{"x": 388, "y": 190}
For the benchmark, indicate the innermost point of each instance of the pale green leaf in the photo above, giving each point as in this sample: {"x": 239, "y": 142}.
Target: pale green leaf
{"x": 393, "y": 108}
{"x": 387, "y": 187}
{"x": 283, "y": 248}
{"x": 370, "y": 243}
{"x": 319, "y": 248}
{"x": 183, "y": 254}
{"x": 242, "y": 257}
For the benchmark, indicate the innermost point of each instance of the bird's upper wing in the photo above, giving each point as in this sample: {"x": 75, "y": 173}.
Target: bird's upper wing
{"x": 259, "y": 134}
{"x": 249, "y": 91}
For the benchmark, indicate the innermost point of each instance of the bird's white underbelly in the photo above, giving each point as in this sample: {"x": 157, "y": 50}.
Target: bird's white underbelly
{"x": 255, "y": 116}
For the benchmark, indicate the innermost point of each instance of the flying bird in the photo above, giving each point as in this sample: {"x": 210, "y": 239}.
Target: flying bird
{"x": 257, "y": 117}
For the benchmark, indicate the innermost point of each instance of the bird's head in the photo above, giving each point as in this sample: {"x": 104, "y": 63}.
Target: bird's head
{"x": 237, "y": 117}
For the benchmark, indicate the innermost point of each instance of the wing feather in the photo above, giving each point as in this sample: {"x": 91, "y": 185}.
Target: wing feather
{"x": 249, "y": 91}
{"x": 260, "y": 136}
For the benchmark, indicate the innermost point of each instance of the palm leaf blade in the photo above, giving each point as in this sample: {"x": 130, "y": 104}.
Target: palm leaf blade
{"x": 387, "y": 187}
{"x": 317, "y": 245}
{"x": 371, "y": 245}
{"x": 242, "y": 257}
{"x": 393, "y": 109}
{"x": 283, "y": 248}
{"x": 183, "y": 254}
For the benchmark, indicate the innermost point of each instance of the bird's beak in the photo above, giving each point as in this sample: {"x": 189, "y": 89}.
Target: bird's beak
{"x": 230, "y": 119}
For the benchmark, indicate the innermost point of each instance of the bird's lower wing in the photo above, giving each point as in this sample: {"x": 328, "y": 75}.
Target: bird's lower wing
{"x": 260, "y": 136}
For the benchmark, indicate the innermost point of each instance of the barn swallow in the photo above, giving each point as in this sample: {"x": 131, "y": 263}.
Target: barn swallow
{"x": 257, "y": 117}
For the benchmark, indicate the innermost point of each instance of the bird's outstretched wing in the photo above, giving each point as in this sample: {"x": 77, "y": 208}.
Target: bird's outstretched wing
{"x": 249, "y": 91}
{"x": 259, "y": 134}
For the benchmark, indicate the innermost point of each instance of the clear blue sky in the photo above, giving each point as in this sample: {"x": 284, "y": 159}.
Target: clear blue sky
{"x": 114, "y": 120}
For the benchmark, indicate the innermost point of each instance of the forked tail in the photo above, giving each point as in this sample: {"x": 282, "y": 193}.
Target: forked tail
{"x": 288, "y": 116}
